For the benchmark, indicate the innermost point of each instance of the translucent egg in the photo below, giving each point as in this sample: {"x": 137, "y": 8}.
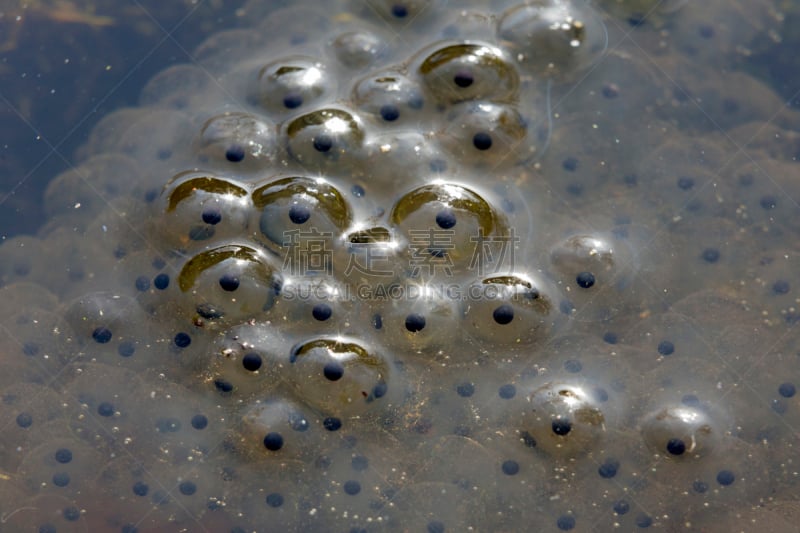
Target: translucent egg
{"x": 553, "y": 37}
{"x": 302, "y": 218}
{"x": 325, "y": 138}
{"x": 461, "y": 72}
{"x": 449, "y": 230}
{"x": 291, "y": 84}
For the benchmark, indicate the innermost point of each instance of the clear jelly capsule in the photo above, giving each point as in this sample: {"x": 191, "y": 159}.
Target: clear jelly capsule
{"x": 564, "y": 419}
{"x": 488, "y": 134}
{"x": 553, "y": 37}
{"x": 201, "y": 208}
{"x": 681, "y": 431}
{"x": 359, "y": 49}
{"x": 467, "y": 71}
{"x": 329, "y": 137}
{"x": 448, "y": 230}
{"x": 238, "y": 141}
{"x": 229, "y": 284}
{"x": 390, "y": 97}
{"x": 298, "y": 215}
{"x": 510, "y": 309}
{"x": 292, "y": 83}
{"x": 406, "y": 158}
{"x": 341, "y": 377}
{"x": 278, "y": 427}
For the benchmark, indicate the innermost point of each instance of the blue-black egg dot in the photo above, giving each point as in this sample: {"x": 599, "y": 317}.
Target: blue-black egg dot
{"x": 608, "y": 469}
{"x": 666, "y": 348}
{"x": 101, "y": 335}
{"x": 274, "y": 499}
{"x": 610, "y": 337}
{"x": 389, "y": 113}
{"x": 299, "y": 213}
{"x": 212, "y": 215}
{"x": 273, "y": 441}
{"x": 24, "y": 420}
{"x": 47, "y": 528}
{"x": 585, "y": 280}
{"x": 699, "y": 486}
{"x": 465, "y": 390}
{"x": 510, "y": 468}
{"x": 251, "y": 361}
{"x": 105, "y": 409}
{"x": 570, "y": 164}
{"x": 415, "y": 322}
{"x": 379, "y": 391}
{"x": 126, "y": 349}
{"x": 685, "y": 183}
{"x": 573, "y": 366}
{"x": 610, "y": 91}
{"x": 158, "y": 263}
{"x": 352, "y": 487}
{"x": 359, "y": 463}
{"x": 71, "y": 514}
{"x": 399, "y": 11}
{"x": 323, "y": 143}
{"x": 332, "y": 424}
{"x": 503, "y": 314}
{"x": 780, "y": 287}
{"x": 565, "y": 523}
{"x": 482, "y": 140}
{"x": 187, "y": 488}
{"x": 434, "y": 526}
{"x": 229, "y": 282}
{"x": 292, "y": 100}
{"x": 63, "y": 455}
{"x": 30, "y": 349}
{"x": 142, "y": 283}
{"x": 690, "y": 400}
{"x": 621, "y": 507}
{"x": 600, "y": 394}
{"x": 129, "y": 528}
{"x": 787, "y": 390}
{"x": 768, "y": 202}
{"x": 235, "y": 153}
{"x": 463, "y": 79}
{"x": 446, "y": 219}
{"x": 199, "y": 421}
{"x": 676, "y": 446}
{"x": 561, "y": 426}
{"x": 61, "y": 479}
{"x": 644, "y": 521}
{"x": 725, "y": 477}
{"x": 182, "y": 340}
{"x": 710, "y": 255}
{"x": 223, "y": 386}
{"x": 377, "y": 321}
{"x": 507, "y": 391}
{"x": 322, "y": 312}
{"x": 357, "y": 191}
{"x": 333, "y": 370}
{"x": 140, "y": 489}
{"x": 161, "y": 281}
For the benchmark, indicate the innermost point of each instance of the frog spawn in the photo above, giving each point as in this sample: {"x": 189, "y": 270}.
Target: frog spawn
{"x": 519, "y": 403}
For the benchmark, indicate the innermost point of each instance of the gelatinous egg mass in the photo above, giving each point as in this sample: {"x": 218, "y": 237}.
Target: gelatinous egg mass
{"x": 377, "y": 266}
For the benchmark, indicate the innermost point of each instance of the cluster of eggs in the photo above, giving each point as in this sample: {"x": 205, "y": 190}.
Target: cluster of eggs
{"x": 415, "y": 266}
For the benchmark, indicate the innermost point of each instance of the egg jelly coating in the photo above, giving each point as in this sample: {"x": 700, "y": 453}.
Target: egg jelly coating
{"x": 391, "y": 265}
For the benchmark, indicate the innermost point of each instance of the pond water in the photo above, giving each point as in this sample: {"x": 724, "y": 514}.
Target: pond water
{"x": 408, "y": 266}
